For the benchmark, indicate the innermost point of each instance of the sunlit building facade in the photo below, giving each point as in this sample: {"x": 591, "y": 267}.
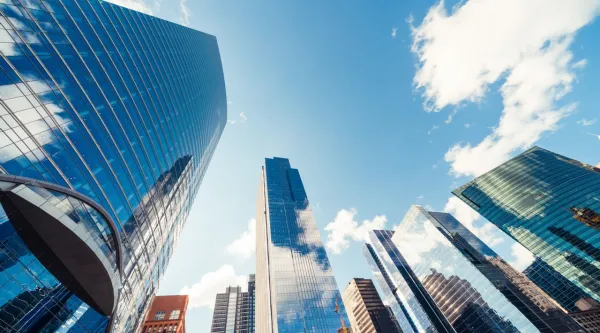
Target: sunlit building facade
{"x": 551, "y": 205}
{"x": 167, "y": 314}
{"x": 446, "y": 280}
{"x": 296, "y": 290}
{"x": 366, "y": 310}
{"x": 108, "y": 121}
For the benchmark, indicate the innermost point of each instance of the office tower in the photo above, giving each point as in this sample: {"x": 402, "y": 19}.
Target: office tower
{"x": 550, "y": 204}
{"x": 167, "y": 314}
{"x": 366, "y": 311}
{"x": 108, "y": 121}
{"x": 295, "y": 286}
{"x": 561, "y": 289}
{"x": 234, "y": 310}
{"x": 448, "y": 280}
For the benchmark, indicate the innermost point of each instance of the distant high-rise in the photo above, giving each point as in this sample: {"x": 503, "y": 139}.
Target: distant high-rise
{"x": 108, "y": 121}
{"x": 167, "y": 314}
{"x": 296, "y": 290}
{"x": 366, "y": 311}
{"x": 444, "y": 278}
{"x": 551, "y": 205}
{"x": 234, "y": 310}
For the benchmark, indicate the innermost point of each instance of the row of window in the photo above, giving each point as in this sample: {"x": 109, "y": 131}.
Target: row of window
{"x": 160, "y": 315}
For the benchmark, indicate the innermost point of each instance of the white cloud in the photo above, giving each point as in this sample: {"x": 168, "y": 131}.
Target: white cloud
{"x": 203, "y": 293}
{"x": 461, "y": 54}
{"x": 522, "y": 257}
{"x": 245, "y": 245}
{"x": 586, "y": 122}
{"x": 468, "y": 125}
{"x": 242, "y": 119}
{"x": 596, "y": 135}
{"x": 185, "y": 12}
{"x": 394, "y": 31}
{"x": 487, "y": 232}
{"x": 433, "y": 128}
{"x": 139, "y": 5}
{"x": 344, "y": 228}
{"x": 421, "y": 197}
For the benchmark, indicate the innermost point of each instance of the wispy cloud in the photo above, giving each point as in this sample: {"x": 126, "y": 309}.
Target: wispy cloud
{"x": 421, "y": 197}
{"x": 245, "y": 245}
{"x": 139, "y": 5}
{"x": 203, "y": 292}
{"x": 433, "y": 128}
{"x": 394, "y": 32}
{"x": 459, "y": 58}
{"x": 185, "y": 12}
{"x": 586, "y": 122}
{"x": 344, "y": 228}
{"x": 241, "y": 119}
{"x": 596, "y": 135}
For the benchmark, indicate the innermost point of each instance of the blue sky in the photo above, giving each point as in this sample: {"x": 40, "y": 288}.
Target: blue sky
{"x": 380, "y": 105}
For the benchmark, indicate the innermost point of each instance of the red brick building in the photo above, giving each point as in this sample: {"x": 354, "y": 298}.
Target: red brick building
{"x": 167, "y": 315}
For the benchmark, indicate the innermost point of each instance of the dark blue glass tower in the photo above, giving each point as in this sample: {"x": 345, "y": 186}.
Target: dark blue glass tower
{"x": 551, "y": 205}
{"x": 440, "y": 277}
{"x": 296, "y": 290}
{"x": 108, "y": 121}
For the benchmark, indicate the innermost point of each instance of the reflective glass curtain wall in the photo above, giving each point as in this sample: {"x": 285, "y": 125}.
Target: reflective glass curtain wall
{"x": 440, "y": 274}
{"x": 536, "y": 306}
{"x": 119, "y": 106}
{"x": 296, "y": 290}
{"x": 551, "y": 205}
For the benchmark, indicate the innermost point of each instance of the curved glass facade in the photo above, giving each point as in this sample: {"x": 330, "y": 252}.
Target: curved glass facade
{"x": 296, "y": 290}
{"x": 122, "y": 107}
{"x": 551, "y": 205}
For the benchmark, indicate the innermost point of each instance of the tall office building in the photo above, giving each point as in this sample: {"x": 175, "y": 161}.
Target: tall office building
{"x": 551, "y": 205}
{"x": 167, "y": 314}
{"x": 234, "y": 310}
{"x": 108, "y": 121}
{"x": 445, "y": 279}
{"x": 366, "y": 311}
{"x": 295, "y": 286}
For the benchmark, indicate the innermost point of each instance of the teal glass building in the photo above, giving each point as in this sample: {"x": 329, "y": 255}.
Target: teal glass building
{"x": 296, "y": 289}
{"x": 551, "y": 205}
{"x": 439, "y": 277}
{"x": 108, "y": 121}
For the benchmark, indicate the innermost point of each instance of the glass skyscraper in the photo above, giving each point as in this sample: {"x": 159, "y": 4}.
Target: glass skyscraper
{"x": 551, "y": 205}
{"x": 108, "y": 121}
{"x": 295, "y": 287}
{"x": 443, "y": 279}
